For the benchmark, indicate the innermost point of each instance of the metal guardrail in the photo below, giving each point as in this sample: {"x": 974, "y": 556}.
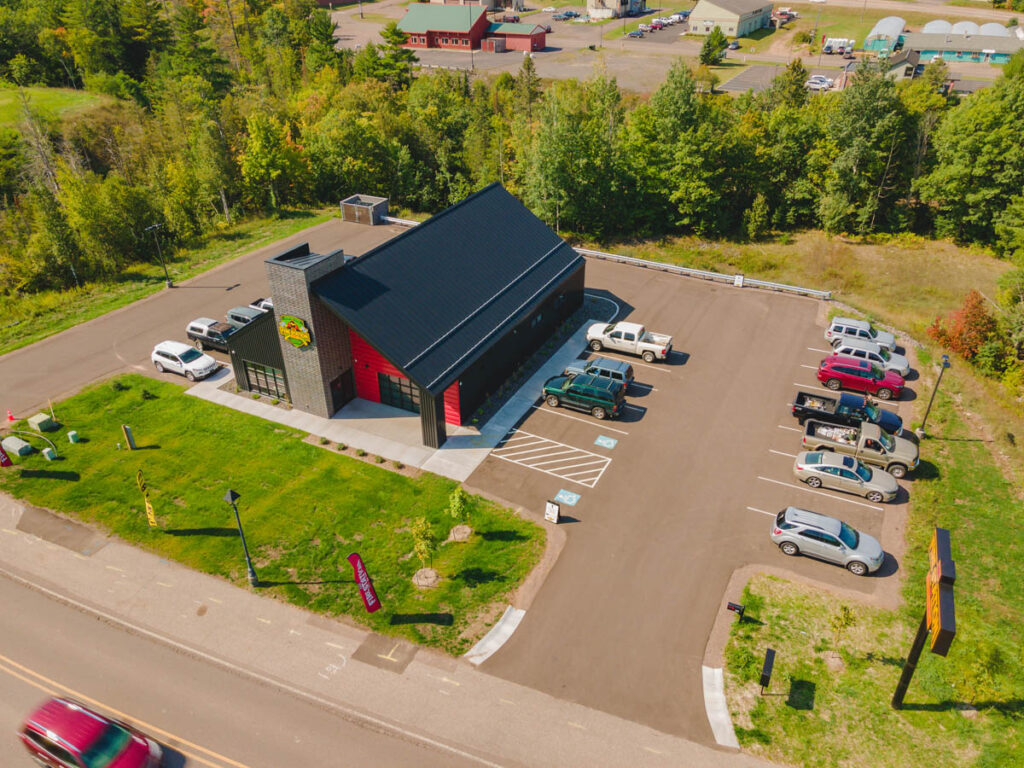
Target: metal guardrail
{"x": 740, "y": 281}
{"x": 401, "y": 222}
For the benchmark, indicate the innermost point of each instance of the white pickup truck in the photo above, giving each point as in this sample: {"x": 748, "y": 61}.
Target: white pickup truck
{"x": 631, "y": 338}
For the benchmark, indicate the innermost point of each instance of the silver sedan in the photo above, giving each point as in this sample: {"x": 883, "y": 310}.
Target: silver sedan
{"x": 823, "y": 469}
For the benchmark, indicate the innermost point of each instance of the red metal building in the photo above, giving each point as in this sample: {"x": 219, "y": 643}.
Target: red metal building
{"x": 459, "y": 27}
{"x": 520, "y": 37}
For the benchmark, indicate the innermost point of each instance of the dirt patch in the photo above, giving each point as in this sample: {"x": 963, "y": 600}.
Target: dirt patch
{"x": 483, "y": 622}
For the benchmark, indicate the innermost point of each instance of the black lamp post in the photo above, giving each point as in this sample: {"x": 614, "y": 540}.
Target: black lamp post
{"x": 154, "y": 229}
{"x": 231, "y": 497}
{"x": 942, "y": 370}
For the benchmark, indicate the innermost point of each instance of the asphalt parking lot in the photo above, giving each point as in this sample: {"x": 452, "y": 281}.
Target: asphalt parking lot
{"x": 673, "y": 498}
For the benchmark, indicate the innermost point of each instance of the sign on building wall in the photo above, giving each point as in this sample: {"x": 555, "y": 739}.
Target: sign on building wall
{"x": 294, "y": 331}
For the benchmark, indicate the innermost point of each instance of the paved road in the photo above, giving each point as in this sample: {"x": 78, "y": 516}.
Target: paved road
{"x": 206, "y": 716}
{"x": 123, "y": 340}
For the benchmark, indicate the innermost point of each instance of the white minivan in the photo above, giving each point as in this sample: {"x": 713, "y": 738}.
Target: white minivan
{"x": 869, "y": 350}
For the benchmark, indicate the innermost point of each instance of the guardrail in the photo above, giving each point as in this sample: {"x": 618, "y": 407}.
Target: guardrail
{"x": 401, "y": 222}
{"x": 740, "y": 281}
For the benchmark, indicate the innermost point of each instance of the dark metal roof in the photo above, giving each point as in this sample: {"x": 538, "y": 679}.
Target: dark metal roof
{"x": 436, "y": 297}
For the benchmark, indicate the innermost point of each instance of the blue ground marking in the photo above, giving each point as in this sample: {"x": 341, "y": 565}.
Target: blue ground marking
{"x": 567, "y": 497}
{"x": 606, "y": 442}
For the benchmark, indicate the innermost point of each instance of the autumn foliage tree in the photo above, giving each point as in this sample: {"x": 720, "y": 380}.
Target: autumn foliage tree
{"x": 966, "y": 330}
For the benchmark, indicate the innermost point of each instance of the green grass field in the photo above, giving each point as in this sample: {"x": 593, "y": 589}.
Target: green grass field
{"x": 830, "y": 694}
{"x": 856, "y": 23}
{"x": 31, "y": 317}
{"x": 304, "y": 508}
{"x": 60, "y": 102}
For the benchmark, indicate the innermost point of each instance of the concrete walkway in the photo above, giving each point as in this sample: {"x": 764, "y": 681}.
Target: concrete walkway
{"x": 395, "y": 434}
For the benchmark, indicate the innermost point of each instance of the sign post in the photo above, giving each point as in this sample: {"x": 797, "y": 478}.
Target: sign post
{"x": 365, "y": 584}
{"x": 940, "y": 618}
{"x": 129, "y": 438}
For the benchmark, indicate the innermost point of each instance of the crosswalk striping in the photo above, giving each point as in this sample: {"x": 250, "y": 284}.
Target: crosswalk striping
{"x": 551, "y": 457}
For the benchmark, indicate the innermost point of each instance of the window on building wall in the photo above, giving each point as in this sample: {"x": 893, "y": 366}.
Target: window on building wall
{"x": 266, "y": 380}
{"x": 398, "y": 392}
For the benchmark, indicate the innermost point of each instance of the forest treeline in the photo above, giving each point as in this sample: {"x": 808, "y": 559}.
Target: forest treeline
{"x": 222, "y": 108}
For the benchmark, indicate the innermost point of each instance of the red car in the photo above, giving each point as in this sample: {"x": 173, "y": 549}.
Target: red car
{"x": 657, "y": 25}
{"x": 842, "y": 372}
{"x": 65, "y": 734}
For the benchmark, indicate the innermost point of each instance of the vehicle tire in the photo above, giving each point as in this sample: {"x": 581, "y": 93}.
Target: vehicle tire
{"x": 789, "y": 548}
{"x": 199, "y": 345}
{"x": 596, "y": 345}
{"x": 598, "y": 412}
{"x": 898, "y": 471}
{"x": 834, "y": 384}
{"x": 874, "y": 496}
{"x": 814, "y": 482}
{"x": 648, "y": 357}
{"x": 857, "y": 568}
{"x": 884, "y": 394}
{"x": 190, "y": 376}
{"x": 552, "y": 401}
{"x": 159, "y": 368}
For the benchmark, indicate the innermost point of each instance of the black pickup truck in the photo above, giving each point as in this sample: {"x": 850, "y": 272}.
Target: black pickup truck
{"x": 847, "y": 410}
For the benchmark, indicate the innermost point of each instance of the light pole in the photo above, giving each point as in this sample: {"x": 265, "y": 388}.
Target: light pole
{"x": 817, "y": 18}
{"x": 231, "y": 497}
{"x": 942, "y": 370}
{"x": 154, "y": 228}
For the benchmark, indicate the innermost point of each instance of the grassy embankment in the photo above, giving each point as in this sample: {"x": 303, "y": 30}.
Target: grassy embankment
{"x": 59, "y": 102}
{"x": 304, "y": 508}
{"x": 831, "y": 699}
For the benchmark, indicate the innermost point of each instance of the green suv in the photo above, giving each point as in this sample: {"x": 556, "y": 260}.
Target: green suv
{"x": 599, "y": 396}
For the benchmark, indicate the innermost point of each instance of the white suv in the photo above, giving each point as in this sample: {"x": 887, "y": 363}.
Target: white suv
{"x": 843, "y": 328}
{"x": 181, "y": 358}
{"x": 869, "y": 350}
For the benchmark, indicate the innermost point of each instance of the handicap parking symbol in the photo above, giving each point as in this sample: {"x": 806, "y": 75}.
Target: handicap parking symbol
{"x": 567, "y": 497}
{"x": 606, "y": 442}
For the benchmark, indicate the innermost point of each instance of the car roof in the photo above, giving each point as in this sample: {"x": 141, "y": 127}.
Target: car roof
{"x": 74, "y": 725}
{"x": 852, "y": 322}
{"x": 610, "y": 365}
{"x": 203, "y": 321}
{"x": 827, "y": 459}
{"x": 250, "y": 311}
{"x": 806, "y": 517}
{"x": 855, "y": 343}
{"x": 174, "y": 347}
{"x": 600, "y": 382}
{"x": 629, "y": 327}
{"x": 855, "y": 362}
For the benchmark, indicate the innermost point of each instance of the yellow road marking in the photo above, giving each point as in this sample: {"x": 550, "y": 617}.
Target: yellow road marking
{"x": 52, "y": 688}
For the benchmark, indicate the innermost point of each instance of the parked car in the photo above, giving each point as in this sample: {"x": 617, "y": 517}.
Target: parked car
{"x": 827, "y": 50}
{"x": 679, "y": 18}
{"x": 548, "y": 9}
{"x": 180, "y": 358}
{"x": 656, "y": 25}
{"x": 571, "y": 14}
{"x": 510, "y": 18}
{"x": 818, "y": 83}
{"x": 615, "y": 370}
{"x": 240, "y": 317}
{"x": 206, "y": 332}
{"x": 61, "y": 733}
{"x": 840, "y": 372}
{"x": 560, "y": 17}
{"x": 867, "y": 443}
{"x": 644, "y": 28}
{"x": 632, "y": 338}
{"x": 799, "y": 531}
{"x": 822, "y": 469}
{"x": 600, "y": 397}
{"x": 733, "y": 46}
{"x": 869, "y": 350}
{"x": 266, "y": 305}
{"x": 842, "y": 328}
{"x": 849, "y": 410}
{"x": 636, "y": 33}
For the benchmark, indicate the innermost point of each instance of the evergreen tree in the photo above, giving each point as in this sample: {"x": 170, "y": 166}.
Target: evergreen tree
{"x": 713, "y": 50}
{"x": 396, "y": 60}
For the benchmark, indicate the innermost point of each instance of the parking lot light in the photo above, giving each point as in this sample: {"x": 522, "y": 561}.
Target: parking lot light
{"x": 945, "y": 364}
{"x": 231, "y": 498}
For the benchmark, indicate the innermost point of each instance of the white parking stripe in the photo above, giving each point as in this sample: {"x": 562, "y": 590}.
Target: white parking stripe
{"x": 553, "y": 461}
{"x": 575, "y": 466}
{"x": 820, "y": 493}
{"x": 780, "y": 453}
{"x": 791, "y": 429}
{"x": 541, "y": 456}
{"x": 538, "y": 446}
{"x": 755, "y": 509}
{"x": 601, "y": 426}
{"x": 811, "y": 386}
{"x": 823, "y": 351}
{"x": 812, "y": 367}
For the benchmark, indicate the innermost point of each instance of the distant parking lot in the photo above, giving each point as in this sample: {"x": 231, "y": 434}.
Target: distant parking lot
{"x": 671, "y": 499}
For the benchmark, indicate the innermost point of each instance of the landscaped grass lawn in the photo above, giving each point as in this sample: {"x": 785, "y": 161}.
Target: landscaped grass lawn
{"x": 304, "y": 509}
{"x": 30, "y": 317}
{"x": 830, "y": 701}
{"x": 55, "y": 101}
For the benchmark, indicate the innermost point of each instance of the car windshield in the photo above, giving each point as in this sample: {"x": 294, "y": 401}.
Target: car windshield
{"x": 190, "y": 355}
{"x": 848, "y": 535}
{"x": 109, "y": 745}
{"x": 872, "y": 333}
{"x": 863, "y": 473}
{"x": 887, "y": 442}
{"x": 609, "y": 328}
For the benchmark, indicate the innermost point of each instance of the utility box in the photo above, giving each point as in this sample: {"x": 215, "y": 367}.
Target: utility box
{"x": 364, "y": 209}
{"x": 72, "y": 436}
{"x": 16, "y": 445}
{"x": 50, "y": 454}
{"x": 42, "y": 422}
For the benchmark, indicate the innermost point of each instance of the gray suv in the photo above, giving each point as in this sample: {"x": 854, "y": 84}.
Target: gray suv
{"x": 842, "y": 328}
{"x": 616, "y": 370}
{"x": 799, "y": 531}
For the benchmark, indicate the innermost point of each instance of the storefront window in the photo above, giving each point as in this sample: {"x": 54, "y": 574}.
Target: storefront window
{"x": 399, "y": 392}
{"x": 266, "y": 380}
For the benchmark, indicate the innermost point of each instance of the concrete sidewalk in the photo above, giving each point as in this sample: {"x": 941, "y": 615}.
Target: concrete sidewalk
{"x": 384, "y": 683}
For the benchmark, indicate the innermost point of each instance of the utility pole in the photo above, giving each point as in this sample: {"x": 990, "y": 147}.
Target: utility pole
{"x": 928, "y": 410}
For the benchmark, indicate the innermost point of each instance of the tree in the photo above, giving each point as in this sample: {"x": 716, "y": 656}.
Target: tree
{"x": 321, "y": 52}
{"x": 423, "y": 541}
{"x": 788, "y": 89}
{"x": 396, "y": 60}
{"x": 457, "y": 506}
{"x": 269, "y": 162}
{"x": 967, "y": 329}
{"x": 713, "y": 50}
{"x": 757, "y": 219}
{"x": 841, "y": 620}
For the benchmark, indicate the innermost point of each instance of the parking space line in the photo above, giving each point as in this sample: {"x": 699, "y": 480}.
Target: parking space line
{"x": 755, "y": 509}
{"x": 791, "y": 429}
{"x": 781, "y": 453}
{"x": 553, "y": 461}
{"x": 823, "y": 351}
{"x": 811, "y": 386}
{"x": 540, "y": 446}
{"x": 589, "y": 466}
{"x": 553, "y": 412}
{"x": 608, "y": 353}
{"x": 820, "y": 493}
{"x": 812, "y": 367}
{"x": 508, "y": 439}
{"x": 599, "y": 460}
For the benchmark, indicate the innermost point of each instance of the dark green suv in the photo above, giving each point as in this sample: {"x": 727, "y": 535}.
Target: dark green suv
{"x": 599, "y": 396}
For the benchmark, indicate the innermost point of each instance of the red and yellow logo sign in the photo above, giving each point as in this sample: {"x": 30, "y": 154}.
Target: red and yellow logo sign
{"x": 294, "y": 331}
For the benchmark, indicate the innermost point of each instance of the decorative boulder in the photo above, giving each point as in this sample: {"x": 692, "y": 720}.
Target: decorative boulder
{"x": 41, "y": 422}
{"x": 426, "y": 578}
{"x": 460, "y": 533}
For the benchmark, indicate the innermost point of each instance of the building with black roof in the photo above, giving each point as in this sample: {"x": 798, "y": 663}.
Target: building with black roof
{"x": 433, "y": 320}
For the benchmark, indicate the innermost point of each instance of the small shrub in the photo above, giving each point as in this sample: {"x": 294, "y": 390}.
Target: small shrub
{"x": 255, "y": 395}
{"x": 398, "y": 465}
{"x": 379, "y": 459}
{"x": 342, "y": 447}
{"x": 274, "y": 401}
{"x": 967, "y": 329}
{"x": 147, "y": 395}
{"x": 423, "y": 540}
{"x": 802, "y": 37}
{"x": 118, "y": 386}
{"x": 237, "y": 389}
{"x": 457, "y": 507}
{"x": 324, "y": 441}
{"x": 360, "y": 452}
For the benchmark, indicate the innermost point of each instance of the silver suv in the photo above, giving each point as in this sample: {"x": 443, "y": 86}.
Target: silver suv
{"x": 843, "y": 328}
{"x": 863, "y": 349}
{"x": 824, "y": 469}
{"x": 799, "y": 531}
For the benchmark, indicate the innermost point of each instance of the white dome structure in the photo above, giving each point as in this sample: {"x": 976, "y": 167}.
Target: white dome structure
{"x": 965, "y": 28}
{"x": 994, "y": 30}
{"x": 937, "y": 27}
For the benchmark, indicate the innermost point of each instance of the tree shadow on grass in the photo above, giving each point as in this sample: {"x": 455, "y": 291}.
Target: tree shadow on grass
{"x": 801, "y": 694}
{"x": 502, "y": 536}
{"x": 266, "y": 583}
{"x": 1012, "y": 707}
{"x": 202, "y": 531}
{"x": 442, "y": 619}
{"x": 477, "y": 576}
{"x": 926, "y": 470}
{"x": 49, "y": 474}
{"x": 881, "y": 658}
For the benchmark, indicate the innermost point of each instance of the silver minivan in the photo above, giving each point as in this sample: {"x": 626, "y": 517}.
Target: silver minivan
{"x": 869, "y": 350}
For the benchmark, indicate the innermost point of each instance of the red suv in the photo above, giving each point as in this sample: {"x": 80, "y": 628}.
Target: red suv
{"x": 65, "y": 734}
{"x": 842, "y": 372}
